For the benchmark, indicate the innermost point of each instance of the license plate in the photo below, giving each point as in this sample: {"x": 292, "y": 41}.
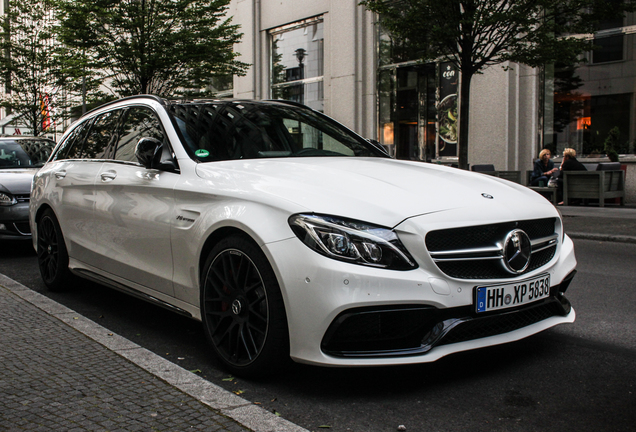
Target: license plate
{"x": 496, "y": 297}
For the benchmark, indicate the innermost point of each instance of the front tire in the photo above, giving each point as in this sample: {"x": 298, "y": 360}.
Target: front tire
{"x": 242, "y": 309}
{"x": 52, "y": 253}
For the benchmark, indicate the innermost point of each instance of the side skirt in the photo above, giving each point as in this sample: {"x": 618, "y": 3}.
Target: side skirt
{"x": 87, "y": 274}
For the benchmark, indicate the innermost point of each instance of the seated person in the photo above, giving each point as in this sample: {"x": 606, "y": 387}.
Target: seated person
{"x": 569, "y": 164}
{"x": 543, "y": 169}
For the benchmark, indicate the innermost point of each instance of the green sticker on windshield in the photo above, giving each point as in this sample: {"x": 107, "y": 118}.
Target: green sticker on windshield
{"x": 202, "y": 153}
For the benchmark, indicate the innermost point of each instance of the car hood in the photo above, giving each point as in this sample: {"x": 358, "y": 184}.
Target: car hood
{"x": 377, "y": 190}
{"x": 17, "y": 180}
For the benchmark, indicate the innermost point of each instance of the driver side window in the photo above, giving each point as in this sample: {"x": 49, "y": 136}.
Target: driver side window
{"x": 140, "y": 122}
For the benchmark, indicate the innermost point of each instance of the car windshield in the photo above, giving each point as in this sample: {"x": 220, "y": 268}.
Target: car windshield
{"x": 240, "y": 130}
{"x": 24, "y": 153}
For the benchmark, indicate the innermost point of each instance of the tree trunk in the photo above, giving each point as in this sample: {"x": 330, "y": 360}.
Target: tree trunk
{"x": 464, "y": 109}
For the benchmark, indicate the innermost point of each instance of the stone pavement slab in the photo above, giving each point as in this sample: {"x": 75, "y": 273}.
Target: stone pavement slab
{"x": 62, "y": 372}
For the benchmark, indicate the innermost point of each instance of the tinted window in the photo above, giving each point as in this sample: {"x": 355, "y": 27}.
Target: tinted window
{"x": 72, "y": 146}
{"x": 608, "y": 49}
{"x": 24, "y": 153}
{"x": 140, "y": 122}
{"x": 246, "y": 131}
{"x": 100, "y": 135}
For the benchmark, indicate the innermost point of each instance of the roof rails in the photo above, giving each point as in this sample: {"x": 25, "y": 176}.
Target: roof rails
{"x": 143, "y": 96}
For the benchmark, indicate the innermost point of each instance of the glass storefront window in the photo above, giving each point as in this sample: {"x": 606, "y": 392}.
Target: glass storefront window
{"x": 394, "y": 50}
{"x": 417, "y": 103}
{"x": 407, "y": 111}
{"x": 223, "y": 86}
{"x": 575, "y": 117}
{"x": 581, "y": 105}
{"x": 297, "y": 62}
{"x": 608, "y": 49}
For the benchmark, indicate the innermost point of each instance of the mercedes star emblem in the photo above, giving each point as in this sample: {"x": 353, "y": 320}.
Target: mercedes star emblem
{"x": 516, "y": 251}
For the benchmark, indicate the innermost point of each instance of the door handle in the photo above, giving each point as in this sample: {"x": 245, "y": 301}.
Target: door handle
{"x": 108, "y": 176}
{"x": 60, "y": 175}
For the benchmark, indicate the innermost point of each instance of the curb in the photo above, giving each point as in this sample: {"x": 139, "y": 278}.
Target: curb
{"x": 224, "y": 402}
{"x": 602, "y": 237}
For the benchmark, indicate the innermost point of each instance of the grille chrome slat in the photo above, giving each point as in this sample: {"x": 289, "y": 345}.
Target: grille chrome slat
{"x": 497, "y": 251}
{"x": 484, "y": 250}
{"x": 484, "y": 244}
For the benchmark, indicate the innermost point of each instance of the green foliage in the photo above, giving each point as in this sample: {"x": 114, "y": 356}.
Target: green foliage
{"x": 611, "y": 142}
{"x": 29, "y": 68}
{"x": 476, "y": 34}
{"x": 166, "y": 47}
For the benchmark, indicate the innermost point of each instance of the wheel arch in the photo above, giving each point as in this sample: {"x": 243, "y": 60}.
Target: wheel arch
{"x": 214, "y": 237}
{"x": 41, "y": 210}
{"x": 36, "y": 218}
{"x": 227, "y": 231}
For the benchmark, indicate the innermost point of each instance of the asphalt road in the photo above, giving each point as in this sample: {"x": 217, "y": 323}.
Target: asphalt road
{"x": 579, "y": 377}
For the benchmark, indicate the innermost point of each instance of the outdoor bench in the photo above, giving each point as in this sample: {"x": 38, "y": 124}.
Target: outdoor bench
{"x": 599, "y": 185}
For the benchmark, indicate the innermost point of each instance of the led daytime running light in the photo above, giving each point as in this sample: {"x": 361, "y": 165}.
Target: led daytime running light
{"x": 352, "y": 241}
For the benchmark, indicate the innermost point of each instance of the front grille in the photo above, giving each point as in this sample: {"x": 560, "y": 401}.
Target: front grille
{"x": 476, "y": 252}
{"x": 484, "y": 235}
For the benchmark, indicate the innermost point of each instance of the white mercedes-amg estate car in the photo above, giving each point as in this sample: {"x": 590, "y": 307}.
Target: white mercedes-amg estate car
{"x": 289, "y": 236}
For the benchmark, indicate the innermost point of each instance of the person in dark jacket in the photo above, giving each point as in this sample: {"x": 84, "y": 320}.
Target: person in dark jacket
{"x": 543, "y": 169}
{"x": 569, "y": 164}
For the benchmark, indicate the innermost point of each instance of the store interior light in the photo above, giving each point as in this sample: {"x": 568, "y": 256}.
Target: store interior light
{"x": 583, "y": 123}
{"x": 387, "y": 134}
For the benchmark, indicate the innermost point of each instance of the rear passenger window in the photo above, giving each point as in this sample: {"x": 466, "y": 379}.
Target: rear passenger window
{"x": 100, "y": 135}
{"x": 140, "y": 122}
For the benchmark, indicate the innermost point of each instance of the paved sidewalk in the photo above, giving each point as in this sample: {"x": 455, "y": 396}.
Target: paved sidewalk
{"x": 610, "y": 223}
{"x": 60, "y": 371}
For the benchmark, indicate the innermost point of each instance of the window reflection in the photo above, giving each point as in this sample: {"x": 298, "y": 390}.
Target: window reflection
{"x": 226, "y": 131}
{"x": 297, "y": 52}
{"x": 140, "y": 123}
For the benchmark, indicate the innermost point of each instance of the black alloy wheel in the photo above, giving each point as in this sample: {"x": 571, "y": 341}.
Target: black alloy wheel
{"x": 242, "y": 309}
{"x": 52, "y": 253}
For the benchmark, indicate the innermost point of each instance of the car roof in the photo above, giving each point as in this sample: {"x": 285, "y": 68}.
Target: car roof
{"x": 168, "y": 102}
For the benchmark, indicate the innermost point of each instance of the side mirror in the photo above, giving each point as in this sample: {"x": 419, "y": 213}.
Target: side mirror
{"x": 152, "y": 153}
{"x": 147, "y": 150}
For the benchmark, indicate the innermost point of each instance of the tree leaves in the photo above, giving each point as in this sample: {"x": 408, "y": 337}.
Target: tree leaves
{"x": 29, "y": 67}
{"x": 165, "y": 47}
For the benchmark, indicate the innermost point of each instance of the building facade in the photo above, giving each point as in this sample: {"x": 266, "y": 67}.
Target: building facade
{"x": 332, "y": 56}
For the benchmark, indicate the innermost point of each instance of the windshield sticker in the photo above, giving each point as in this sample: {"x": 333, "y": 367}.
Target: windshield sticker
{"x": 202, "y": 153}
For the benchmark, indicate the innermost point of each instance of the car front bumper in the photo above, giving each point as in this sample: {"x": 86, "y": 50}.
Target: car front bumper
{"x": 14, "y": 222}
{"x": 342, "y": 314}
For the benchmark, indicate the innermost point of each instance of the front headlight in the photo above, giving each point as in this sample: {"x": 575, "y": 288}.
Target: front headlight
{"x": 352, "y": 241}
{"x": 7, "y": 200}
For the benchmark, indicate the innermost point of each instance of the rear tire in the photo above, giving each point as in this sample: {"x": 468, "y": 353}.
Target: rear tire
{"x": 242, "y": 309}
{"x": 52, "y": 253}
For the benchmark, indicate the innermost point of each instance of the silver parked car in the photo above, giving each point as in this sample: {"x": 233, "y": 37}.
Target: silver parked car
{"x": 20, "y": 158}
